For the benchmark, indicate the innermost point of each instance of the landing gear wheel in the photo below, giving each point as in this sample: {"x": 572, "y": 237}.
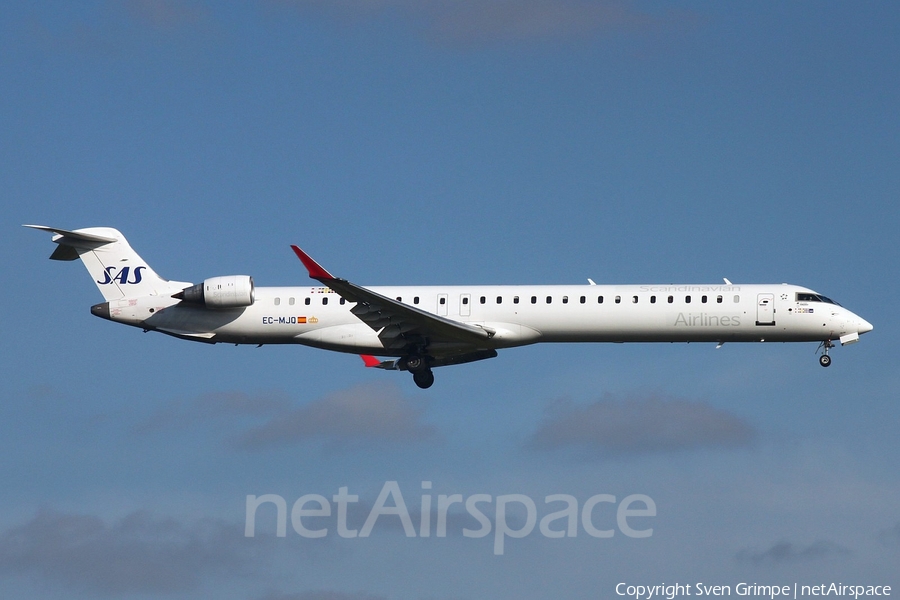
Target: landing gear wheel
{"x": 414, "y": 364}
{"x": 424, "y": 379}
{"x": 825, "y": 360}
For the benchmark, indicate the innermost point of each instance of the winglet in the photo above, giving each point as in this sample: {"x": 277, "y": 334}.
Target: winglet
{"x": 370, "y": 360}
{"x": 315, "y": 269}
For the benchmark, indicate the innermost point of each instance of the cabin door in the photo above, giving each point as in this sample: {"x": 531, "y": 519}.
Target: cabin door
{"x": 465, "y": 307}
{"x": 765, "y": 309}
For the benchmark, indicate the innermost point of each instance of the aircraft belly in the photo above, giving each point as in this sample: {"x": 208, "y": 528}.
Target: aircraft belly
{"x": 195, "y": 319}
{"x": 354, "y": 338}
{"x": 510, "y": 335}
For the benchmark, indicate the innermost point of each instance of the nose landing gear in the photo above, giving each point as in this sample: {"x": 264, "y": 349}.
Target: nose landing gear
{"x": 825, "y": 360}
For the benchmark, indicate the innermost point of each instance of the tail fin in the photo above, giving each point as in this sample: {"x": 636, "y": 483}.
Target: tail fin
{"x": 117, "y": 270}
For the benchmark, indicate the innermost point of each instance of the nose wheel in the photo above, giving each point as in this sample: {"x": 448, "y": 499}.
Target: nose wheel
{"x": 825, "y": 360}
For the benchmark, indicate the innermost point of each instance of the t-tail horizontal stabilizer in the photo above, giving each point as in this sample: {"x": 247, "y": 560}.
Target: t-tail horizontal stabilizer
{"x": 72, "y": 243}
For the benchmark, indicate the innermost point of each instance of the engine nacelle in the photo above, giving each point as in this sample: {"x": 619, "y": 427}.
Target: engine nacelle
{"x": 233, "y": 291}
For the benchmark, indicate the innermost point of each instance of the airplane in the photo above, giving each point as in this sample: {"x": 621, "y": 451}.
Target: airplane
{"x": 420, "y": 328}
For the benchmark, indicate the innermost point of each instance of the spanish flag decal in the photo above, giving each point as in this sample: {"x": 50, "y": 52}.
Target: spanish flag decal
{"x": 301, "y": 319}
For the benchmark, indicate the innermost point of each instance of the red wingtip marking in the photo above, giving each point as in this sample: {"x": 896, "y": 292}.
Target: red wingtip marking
{"x": 370, "y": 360}
{"x": 315, "y": 269}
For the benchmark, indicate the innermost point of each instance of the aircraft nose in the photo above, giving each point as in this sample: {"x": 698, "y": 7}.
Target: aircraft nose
{"x": 864, "y": 326}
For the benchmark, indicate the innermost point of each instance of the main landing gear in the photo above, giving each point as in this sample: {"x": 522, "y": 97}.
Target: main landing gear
{"x": 424, "y": 379}
{"x": 825, "y": 360}
{"x": 422, "y": 375}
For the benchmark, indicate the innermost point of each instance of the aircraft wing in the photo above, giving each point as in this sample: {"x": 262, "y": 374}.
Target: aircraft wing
{"x": 398, "y": 325}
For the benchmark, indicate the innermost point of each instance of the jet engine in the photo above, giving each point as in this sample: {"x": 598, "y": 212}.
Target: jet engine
{"x": 233, "y": 291}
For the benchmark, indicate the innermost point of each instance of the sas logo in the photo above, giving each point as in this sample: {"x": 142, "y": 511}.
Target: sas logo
{"x": 110, "y": 275}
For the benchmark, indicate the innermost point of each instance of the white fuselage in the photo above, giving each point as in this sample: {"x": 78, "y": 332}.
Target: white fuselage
{"x": 516, "y": 315}
{"x": 425, "y": 327}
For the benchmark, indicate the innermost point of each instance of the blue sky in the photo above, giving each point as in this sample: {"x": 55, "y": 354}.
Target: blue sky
{"x": 449, "y": 142}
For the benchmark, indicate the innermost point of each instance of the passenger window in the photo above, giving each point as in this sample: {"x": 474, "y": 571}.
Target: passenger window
{"x": 652, "y": 299}
{"x": 325, "y": 300}
{"x": 634, "y": 299}
{"x": 465, "y": 300}
{"x": 415, "y": 299}
{"x": 703, "y": 299}
{"x": 515, "y": 299}
{"x": 719, "y": 299}
{"x": 291, "y": 301}
{"x": 671, "y": 299}
{"x": 343, "y": 301}
{"x": 687, "y": 299}
{"x": 499, "y": 299}
{"x": 583, "y": 300}
{"x": 565, "y": 299}
{"x": 306, "y": 302}
{"x": 549, "y": 299}
{"x": 599, "y": 299}
{"x": 483, "y": 299}
{"x": 277, "y": 301}
{"x": 534, "y": 299}
{"x": 737, "y": 299}
{"x": 618, "y": 299}
{"x": 443, "y": 301}
{"x": 399, "y": 299}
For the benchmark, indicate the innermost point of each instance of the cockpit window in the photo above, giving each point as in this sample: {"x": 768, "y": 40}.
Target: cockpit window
{"x": 801, "y": 297}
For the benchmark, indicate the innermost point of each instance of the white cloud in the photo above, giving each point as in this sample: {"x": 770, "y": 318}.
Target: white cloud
{"x": 496, "y": 20}
{"x": 213, "y": 406}
{"x": 166, "y": 14}
{"x": 786, "y": 552}
{"x": 140, "y": 553}
{"x": 638, "y": 426}
{"x": 364, "y": 414}
{"x": 322, "y": 595}
{"x": 890, "y": 537}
